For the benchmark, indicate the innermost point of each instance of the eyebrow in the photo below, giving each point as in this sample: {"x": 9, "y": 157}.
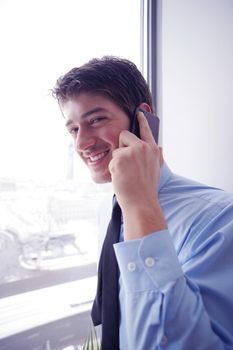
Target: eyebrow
{"x": 88, "y": 113}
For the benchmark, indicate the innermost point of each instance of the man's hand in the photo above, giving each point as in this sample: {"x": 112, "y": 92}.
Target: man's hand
{"x": 135, "y": 170}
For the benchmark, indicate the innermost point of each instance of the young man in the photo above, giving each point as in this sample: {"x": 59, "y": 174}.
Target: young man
{"x": 174, "y": 250}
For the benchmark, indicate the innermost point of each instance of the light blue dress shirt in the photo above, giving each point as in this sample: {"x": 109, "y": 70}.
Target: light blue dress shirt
{"x": 176, "y": 285}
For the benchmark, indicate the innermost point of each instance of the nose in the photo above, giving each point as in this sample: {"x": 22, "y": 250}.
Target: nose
{"x": 84, "y": 140}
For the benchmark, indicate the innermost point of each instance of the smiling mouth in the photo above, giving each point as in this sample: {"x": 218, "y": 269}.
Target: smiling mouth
{"x": 96, "y": 158}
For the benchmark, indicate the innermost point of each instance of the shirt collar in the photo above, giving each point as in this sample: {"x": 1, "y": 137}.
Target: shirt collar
{"x": 166, "y": 174}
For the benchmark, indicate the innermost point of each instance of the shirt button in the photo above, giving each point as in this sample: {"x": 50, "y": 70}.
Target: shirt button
{"x": 149, "y": 261}
{"x": 163, "y": 340}
{"x": 131, "y": 266}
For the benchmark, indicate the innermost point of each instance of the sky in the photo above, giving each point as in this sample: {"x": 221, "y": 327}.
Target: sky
{"x": 40, "y": 41}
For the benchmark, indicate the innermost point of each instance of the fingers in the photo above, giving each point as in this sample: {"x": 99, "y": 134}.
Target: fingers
{"x": 127, "y": 138}
{"x": 145, "y": 130}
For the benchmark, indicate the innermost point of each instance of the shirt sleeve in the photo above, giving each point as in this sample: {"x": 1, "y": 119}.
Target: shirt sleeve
{"x": 169, "y": 305}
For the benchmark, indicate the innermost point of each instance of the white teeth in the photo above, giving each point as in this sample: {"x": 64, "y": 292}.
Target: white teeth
{"x": 99, "y": 156}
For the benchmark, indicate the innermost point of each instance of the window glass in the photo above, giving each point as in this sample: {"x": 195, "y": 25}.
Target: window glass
{"x": 47, "y": 200}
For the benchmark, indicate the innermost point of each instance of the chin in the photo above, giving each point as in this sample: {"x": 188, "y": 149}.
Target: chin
{"x": 101, "y": 178}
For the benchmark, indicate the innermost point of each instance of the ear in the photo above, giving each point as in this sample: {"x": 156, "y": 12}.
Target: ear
{"x": 145, "y": 107}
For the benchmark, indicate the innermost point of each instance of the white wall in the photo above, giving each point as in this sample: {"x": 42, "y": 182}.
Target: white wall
{"x": 197, "y": 89}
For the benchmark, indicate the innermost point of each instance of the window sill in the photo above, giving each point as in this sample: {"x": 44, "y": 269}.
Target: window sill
{"x": 29, "y": 316}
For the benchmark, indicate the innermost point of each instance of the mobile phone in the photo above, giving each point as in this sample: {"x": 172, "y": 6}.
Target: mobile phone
{"x": 153, "y": 122}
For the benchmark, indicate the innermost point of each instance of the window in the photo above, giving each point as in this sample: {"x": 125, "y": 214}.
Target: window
{"x": 47, "y": 200}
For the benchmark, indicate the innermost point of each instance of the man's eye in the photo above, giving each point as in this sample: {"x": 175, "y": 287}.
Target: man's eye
{"x": 73, "y": 131}
{"x": 97, "y": 120}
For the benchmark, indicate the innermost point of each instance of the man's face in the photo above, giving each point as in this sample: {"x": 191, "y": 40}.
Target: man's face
{"x": 95, "y": 123}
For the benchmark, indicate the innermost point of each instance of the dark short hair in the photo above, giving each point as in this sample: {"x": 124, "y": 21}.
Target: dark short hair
{"x": 116, "y": 78}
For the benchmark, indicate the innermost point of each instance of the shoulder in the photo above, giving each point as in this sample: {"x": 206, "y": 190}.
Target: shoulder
{"x": 192, "y": 192}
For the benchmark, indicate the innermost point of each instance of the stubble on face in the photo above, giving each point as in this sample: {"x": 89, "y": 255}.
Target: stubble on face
{"x": 99, "y": 122}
